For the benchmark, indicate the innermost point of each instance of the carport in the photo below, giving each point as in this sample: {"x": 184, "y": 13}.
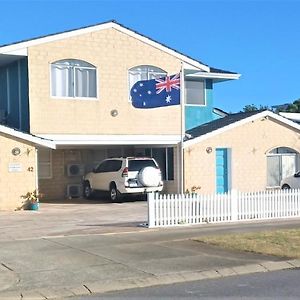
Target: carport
{"x": 60, "y": 171}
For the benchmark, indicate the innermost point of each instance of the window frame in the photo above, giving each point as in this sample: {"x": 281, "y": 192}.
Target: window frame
{"x": 204, "y": 94}
{"x": 139, "y": 66}
{"x": 74, "y": 85}
{"x": 295, "y": 154}
{"x": 45, "y": 164}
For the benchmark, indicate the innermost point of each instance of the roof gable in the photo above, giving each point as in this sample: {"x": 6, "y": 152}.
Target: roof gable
{"x": 21, "y": 46}
{"x": 202, "y": 132}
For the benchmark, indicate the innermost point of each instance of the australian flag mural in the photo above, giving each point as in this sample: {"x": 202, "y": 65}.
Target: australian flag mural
{"x": 164, "y": 91}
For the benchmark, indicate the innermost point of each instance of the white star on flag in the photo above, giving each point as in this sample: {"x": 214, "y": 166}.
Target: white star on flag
{"x": 168, "y": 99}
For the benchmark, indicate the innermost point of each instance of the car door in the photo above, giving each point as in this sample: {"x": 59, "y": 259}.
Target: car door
{"x": 99, "y": 176}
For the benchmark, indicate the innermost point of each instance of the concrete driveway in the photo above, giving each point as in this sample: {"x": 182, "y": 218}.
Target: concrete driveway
{"x": 73, "y": 217}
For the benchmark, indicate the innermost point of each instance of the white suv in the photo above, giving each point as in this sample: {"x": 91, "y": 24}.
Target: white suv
{"x": 119, "y": 176}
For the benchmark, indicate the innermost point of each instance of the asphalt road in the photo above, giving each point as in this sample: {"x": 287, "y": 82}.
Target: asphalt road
{"x": 271, "y": 285}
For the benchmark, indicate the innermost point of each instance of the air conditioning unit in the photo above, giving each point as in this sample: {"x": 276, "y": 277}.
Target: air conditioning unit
{"x": 75, "y": 170}
{"x": 74, "y": 190}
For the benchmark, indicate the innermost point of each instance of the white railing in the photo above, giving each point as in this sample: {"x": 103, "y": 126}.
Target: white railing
{"x": 188, "y": 209}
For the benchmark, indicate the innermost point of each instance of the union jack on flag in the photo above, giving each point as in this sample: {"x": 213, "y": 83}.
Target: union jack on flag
{"x": 159, "y": 92}
{"x": 168, "y": 83}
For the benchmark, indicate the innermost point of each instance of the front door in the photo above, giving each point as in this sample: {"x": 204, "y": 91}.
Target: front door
{"x": 222, "y": 170}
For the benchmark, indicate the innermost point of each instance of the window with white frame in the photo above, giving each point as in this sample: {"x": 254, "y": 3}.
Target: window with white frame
{"x": 74, "y": 79}
{"x": 281, "y": 163}
{"x": 144, "y": 73}
{"x": 44, "y": 163}
{"x": 195, "y": 92}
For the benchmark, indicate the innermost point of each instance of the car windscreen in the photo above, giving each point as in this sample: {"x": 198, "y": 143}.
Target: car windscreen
{"x": 136, "y": 165}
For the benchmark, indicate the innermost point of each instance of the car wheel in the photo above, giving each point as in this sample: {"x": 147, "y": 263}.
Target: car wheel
{"x": 114, "y": 194}
{"x": 87, "y": 190}
{"x": 285, "y": 187}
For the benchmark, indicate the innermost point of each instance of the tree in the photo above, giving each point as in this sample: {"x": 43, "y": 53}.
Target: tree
{"x": 252, "y": 107}
{"x": 292, "y": 107}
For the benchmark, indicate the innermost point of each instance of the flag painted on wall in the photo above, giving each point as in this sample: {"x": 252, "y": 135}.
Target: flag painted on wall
{"x": 164, "y": 91}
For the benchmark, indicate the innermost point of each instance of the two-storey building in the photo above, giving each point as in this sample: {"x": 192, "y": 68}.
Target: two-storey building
{"x": 70, "y": 90}
{"x": 65, "y": 105}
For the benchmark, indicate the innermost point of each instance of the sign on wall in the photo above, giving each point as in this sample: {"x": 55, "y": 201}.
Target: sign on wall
{"x": 14, "y": 167}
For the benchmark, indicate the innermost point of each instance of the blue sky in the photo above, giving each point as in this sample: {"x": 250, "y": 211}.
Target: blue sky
{"x": 259, "y": 39}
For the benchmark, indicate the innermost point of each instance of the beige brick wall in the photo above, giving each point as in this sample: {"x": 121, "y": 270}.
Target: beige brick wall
{"x": 249, "y": 144}
{"x": 113, "y": 53}
{"x": 15, "y": 184}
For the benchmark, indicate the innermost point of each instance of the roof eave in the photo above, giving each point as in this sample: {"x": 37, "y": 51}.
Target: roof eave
{"x": 217, "y": 77}
{"x": 27, "y": 137}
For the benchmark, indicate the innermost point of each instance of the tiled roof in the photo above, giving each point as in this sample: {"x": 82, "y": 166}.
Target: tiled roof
{"x": 217, "y": 124}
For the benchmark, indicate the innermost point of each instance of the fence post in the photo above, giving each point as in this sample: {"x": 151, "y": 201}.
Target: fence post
{"x": 234, "y": 206}
{"x": 151, "y": 213}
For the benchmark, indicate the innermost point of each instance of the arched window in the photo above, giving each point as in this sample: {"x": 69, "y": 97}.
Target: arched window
{"x": 73, "y": 78}
{"x": 144, "y": 73}
{"x": 281, "y": 163}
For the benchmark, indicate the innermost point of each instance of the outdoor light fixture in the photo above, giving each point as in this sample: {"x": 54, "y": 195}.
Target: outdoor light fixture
{"x": 16, "y": 151}
{"x": 208, "y": 150}
{"x": 114, "y": 113}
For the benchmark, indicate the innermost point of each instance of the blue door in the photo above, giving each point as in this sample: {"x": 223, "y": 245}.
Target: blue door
{"x": 222, "y": 170}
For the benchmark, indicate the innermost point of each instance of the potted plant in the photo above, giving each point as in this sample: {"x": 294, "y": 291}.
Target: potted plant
{"x": 32, "y": 200}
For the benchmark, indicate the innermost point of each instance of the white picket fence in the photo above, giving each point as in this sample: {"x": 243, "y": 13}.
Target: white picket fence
{"x": 188, "y": 209}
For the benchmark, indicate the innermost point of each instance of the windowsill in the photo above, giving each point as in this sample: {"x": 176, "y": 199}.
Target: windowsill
{"x": 202, "y": 105}
{"x": 75, "y": 98}
{"x": 273, "y": 187}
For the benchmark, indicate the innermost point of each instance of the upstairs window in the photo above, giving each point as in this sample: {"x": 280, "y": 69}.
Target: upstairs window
{"x": 144, "y": 73}
{"x": 73, "y": 78}
{"x": 195, "y": 92}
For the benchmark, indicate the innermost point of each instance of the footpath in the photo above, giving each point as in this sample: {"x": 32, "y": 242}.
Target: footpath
{"x": 65, "y": 266}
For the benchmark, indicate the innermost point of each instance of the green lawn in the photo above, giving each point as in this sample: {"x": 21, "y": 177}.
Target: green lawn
{"x": 283, "y": 243}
